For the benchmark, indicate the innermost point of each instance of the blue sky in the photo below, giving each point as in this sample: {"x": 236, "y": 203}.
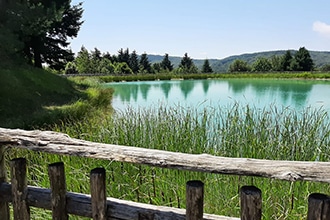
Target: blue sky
{"x": 204, "y": 29}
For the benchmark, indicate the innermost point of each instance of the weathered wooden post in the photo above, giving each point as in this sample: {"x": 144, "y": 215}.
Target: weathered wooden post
{"x": 251, "y": 203}
{"x": 98, "y": 194}
{"x": 318, "y": 207}
{"x": 4, "y": 207}
{"x": 19, "y": 189}
{"x": 194, "y": 200}
{"x": 58, "y": 188}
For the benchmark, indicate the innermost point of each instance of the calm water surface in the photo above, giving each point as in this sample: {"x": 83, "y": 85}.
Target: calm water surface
{"x": 260, "y": 93}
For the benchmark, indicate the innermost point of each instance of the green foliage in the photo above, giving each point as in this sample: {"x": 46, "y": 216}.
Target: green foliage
{"x": 206, "y": 67}
{"x": 262, "y": 64}
{"x": 234, "y": 131}
{"x": 239, "y": 66}
{"x": 134, "y": 62}
{"x": 303, "y": 60}
{"x": 40, "y": 30}
{"x": 70, "y": 68}
{"x": 187, "y": 65}
{"x": 287, "y": 59}
{"x": 122, "y": 68}
{"x": 83, "y": 61}
{"x": 144, "y": 64}
{"x": 166, "y": 64}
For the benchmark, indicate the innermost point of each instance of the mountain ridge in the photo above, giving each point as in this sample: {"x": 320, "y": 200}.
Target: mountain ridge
{"x": 320, "y": 58}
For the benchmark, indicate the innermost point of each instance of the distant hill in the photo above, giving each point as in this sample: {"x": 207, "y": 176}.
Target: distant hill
{"x": 320, "y": 58}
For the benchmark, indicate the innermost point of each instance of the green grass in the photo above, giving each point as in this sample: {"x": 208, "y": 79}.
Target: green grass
{"x": 233, "y": 131}
{"x": 35, "y": 98}
{"x": 169, "y": 76}
{"x": 32, "y": 98}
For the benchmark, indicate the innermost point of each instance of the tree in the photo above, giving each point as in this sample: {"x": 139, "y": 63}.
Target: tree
{"x": 43, "y": 28}
{"x": 304, "y": 60}
{"x": 276, "y": 63}
{"x": 166, "y": 64}
{"x": 83, "y": 61}
{"x": 206, "y": 67}
{"x": 286, "y": 61}
{"x": 123, "y": 56}
{"x": 134, "y": 62}
{"x": 239, "y": 66}
{"x": 145, "y": 66}
{"x": 187, "y": 65}
{"x": 262, "y": 64}
{"x": 122, "y": 68}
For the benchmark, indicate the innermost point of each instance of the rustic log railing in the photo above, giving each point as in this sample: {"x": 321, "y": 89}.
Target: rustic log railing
{"x": 98, "y": 206}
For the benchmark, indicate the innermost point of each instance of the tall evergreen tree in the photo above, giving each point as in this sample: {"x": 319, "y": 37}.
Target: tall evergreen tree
{"x": 304, "y": 60}
{"x": 166, "y": 63}
{"x": 145, "y": 66}
{"x": 134, "y": 62}
{"x": 83, "y": 61}
{"x": 286, "y": 61}
{"x": 123, "y": 56}
{"x": 43, "y": 28}
{"x": 206, "y": 67}
{"x": 187, "y": 65}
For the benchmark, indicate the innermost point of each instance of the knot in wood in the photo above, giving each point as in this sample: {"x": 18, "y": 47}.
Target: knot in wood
{"x": 291, "y": 176}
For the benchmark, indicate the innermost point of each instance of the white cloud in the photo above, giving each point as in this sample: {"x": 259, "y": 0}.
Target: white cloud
{"x": 322, "y": 28}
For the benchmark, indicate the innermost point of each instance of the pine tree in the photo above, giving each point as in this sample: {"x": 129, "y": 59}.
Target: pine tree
{"x": 286, "y": 61}
{"x": 166, "y": 63}
{"x": 206, "y": 67}
{"x": 187, "y": 65}
{"x": 43, "y": 28}
{"x": 145, "y": 66}
{"x": 134, "y": 62}
{"x": 304, "y": 60}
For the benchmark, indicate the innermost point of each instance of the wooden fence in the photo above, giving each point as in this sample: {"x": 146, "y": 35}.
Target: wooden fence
{"x": 98, "y": 206}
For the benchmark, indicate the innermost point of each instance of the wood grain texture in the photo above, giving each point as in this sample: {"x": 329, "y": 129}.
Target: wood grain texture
{"x": 80, "y": 204}
{"x": 58, "y": 143}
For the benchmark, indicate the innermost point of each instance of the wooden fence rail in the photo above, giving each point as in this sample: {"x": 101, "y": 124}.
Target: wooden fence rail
{"x": 98, "y": 206}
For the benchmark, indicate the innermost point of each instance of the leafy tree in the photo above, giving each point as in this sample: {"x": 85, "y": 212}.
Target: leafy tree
{"x": 43, "y": 28}
{"x": 134, "y": 62}
{"x": 276, "y": 62}
{"x": 239, "y": 66}
{"x": 122, "y": 68}
{"x": 206, "y": 67}
{"x": 166, "y": 63}
{"x": 105, "y": 66}
{"x": 286, "y": 61}
{"x": 304, "y": 60}
{"x": 145, "y": 66}
{"x": 83, "y": 61}
{"x": 262, "y": 64}
{"x": 70, "y": 68}
{"x": 187, "y": 65}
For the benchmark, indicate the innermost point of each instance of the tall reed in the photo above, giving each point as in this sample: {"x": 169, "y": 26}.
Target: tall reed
{"x": 278, "y": 133}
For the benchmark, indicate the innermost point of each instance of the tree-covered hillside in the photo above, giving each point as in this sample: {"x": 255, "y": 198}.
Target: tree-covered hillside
{"x": 320, "y": 59}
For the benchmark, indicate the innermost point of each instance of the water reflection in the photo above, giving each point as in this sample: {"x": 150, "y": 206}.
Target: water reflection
{"x": 259, "y": 92}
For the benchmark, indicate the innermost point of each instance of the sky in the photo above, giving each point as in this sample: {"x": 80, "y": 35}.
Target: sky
{"x": 203, "y": 28}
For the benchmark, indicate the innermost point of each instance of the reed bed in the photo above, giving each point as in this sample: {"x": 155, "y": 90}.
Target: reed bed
{"x": 277, "y": 133}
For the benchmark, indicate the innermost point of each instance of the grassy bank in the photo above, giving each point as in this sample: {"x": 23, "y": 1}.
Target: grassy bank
{"x": 31, "y": 97}
{"x": 169, "y": 76}
{"x": 234, "y": 131}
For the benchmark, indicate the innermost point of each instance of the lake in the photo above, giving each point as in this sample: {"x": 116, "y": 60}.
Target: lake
{"x": 260, "y": 93}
